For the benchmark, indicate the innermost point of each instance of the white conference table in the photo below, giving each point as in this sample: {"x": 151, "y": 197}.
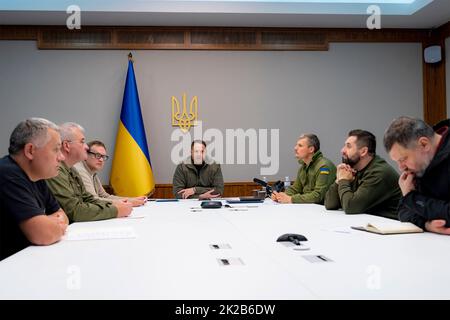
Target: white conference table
{"x": 171, "y": 258}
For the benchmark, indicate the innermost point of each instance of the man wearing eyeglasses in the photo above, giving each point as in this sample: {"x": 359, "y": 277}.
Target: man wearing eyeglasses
{"x": 89, "y": 168}
{"x": 68, "y": 187}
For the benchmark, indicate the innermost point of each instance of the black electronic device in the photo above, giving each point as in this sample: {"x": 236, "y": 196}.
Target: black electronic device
{"x": 292, "y": 237}
{"x": 211, "y": 204}
{"x": 277, "y": 186}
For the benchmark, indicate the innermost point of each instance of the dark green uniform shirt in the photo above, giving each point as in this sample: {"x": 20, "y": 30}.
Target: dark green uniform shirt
{"x": 313, "y": 180}
{"x": 374, "y": 190}
{"x": 78, "y": 204}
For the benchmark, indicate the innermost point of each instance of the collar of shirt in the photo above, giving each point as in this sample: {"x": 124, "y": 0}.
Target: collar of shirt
{"x": 91, "y": 173}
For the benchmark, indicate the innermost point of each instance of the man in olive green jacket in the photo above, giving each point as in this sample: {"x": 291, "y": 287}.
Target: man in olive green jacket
{"x": 365, "y": 182}
{"x": 314, "y": 177}
{"x": 68, "y": 187}
{"x": 198, "y": 176}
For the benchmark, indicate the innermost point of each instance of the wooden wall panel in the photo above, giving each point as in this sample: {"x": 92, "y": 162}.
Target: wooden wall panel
{"x": 232, "y": 189}
{"x": 18, "y": 32}
{"x": 434, "y": 90}
{"x": 444, "y": 31}
{"x": 202, "y": 38}
{"x": 62, "y": 38}
{"x": 382, "y": 35}
{"x": 434, "y": 79}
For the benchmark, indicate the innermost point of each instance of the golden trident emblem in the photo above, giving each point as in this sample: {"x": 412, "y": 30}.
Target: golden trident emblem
{"x": 183, "y": 119}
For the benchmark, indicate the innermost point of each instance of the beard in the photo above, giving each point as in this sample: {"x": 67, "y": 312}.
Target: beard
{"x": 421, "y": 172}
{"x": 423, "y": 167}
{"x": 351, "y": 161}
{"x": 198, "y": 160}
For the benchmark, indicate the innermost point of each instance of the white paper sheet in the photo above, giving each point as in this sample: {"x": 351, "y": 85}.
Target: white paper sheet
{"x": 100, "y": 233}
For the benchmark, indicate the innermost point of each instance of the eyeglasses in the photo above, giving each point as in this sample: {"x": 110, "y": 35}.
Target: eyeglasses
{"x": 99, "y": 156}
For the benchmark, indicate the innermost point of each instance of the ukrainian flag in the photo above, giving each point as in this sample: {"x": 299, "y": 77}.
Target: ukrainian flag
{"x": 131, "y": 173}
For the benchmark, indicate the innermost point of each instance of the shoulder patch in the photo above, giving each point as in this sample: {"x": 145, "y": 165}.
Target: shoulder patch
{"x": 324, "y": 170}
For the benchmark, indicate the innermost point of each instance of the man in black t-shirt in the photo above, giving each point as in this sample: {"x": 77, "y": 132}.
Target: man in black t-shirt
{"x": 29, "y": 214}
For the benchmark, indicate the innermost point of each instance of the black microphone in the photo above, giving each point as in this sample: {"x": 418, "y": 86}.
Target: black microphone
{"x": 260, "y": 182}
{"x": 279, "y": 186}
{"x": 265, "y": 185}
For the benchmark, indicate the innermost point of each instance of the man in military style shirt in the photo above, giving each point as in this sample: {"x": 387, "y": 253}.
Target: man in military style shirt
{"x": 314, "y": 177}
{"x": 365, "y": 182}
{"x": 68, "y": 187}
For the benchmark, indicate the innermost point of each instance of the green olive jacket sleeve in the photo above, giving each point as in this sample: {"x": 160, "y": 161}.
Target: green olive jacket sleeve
{"x": 78, "y": 204}
{"x": 312, "y": 180}
{"x": 375, "y": 190}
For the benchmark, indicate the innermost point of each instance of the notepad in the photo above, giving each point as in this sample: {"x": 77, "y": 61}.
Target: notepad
{"x": 136, "y": 215}
{"x": 100, "y": 233}
{"x": 389, "y": 228}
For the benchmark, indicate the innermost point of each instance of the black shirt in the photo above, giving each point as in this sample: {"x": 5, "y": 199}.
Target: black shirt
{"x": 20, "y": 199}
{"x": 431, "y": 198}
{"x": 198, "y": 167}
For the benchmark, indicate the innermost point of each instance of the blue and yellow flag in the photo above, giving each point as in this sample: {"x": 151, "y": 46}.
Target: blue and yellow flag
{"x": 131, "y": 173}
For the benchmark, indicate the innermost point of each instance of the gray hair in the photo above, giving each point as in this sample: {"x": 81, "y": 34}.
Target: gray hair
{"x": 32, "y": 130}
{"x": 313, "y": 140}
{"x": 67, "y": 130}
{"x": 406, "y": 131}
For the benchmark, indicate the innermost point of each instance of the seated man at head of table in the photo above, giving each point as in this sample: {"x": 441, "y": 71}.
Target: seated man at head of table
{"x": 198, "y": 176}
{"x": 88, "y": 171}
{"x": 314, "y": 177}
{"x": 365, "y": 182}
{"x": 29, "y": 214}
{"x": 68, "y": 187}
{"x": 423, "y": 156}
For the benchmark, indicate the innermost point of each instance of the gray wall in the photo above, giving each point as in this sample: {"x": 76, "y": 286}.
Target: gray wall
{"x": 350, "y": 86}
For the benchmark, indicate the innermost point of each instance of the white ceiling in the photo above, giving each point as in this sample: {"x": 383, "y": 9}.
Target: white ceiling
{"x": 253, "y": 13}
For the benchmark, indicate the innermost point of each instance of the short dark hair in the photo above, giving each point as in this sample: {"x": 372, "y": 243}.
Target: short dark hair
{"x": 199, "y": 142}
{"x": 96, "y": 143}
{"x": 313, "y": 141}
{"x": 365, "y": 139}
{"x": 30, "y": 130}
{"x": 405, "y": 131}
